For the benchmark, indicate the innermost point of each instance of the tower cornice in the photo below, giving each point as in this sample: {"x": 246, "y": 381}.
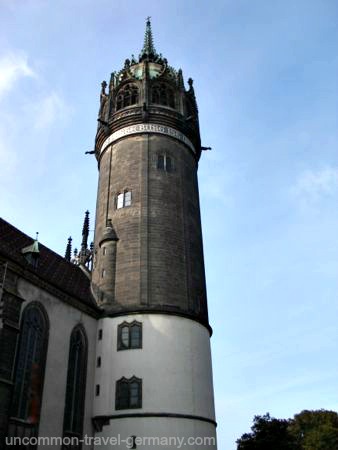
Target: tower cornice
{"x": 172, "y": 121}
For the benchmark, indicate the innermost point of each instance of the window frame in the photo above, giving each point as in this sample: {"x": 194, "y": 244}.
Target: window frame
{"x": 163, "y": 94}
{"x": 162, "y": 163}
{"x": 73, "y": 420}
{"x": 123, "y": 199}
{"x": 129, "y": 325}
{"x": 126, "y": 402}
{"x": 128, "y": 95}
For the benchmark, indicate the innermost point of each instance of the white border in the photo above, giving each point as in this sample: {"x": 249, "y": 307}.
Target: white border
{"x": 147, "y": 128}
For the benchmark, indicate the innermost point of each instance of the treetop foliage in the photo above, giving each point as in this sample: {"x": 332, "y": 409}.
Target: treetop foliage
{"x": 308, "y": 430}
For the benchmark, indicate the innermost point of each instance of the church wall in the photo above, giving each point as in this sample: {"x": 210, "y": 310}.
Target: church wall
{"x": 179, "y": 382}
{"x": 63, "y": 318}
{"x": 159, "y": 433}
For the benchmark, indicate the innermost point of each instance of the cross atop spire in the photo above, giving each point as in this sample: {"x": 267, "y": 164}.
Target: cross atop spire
{"x": 148, "y": 50}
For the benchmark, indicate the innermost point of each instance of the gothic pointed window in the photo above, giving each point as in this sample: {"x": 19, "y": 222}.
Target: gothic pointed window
{"x": 30, "y": 369}
{"x": 76, "y": 385}
{"x": 119, "y": 102}
{"x": 165, "y": 162}
{"x": 155, "y": 95}
{"x": 129, "y": 335}
{"x": 162, "y": 94}
{"x": 127, "y": 96}
{"x": 128, "y": 393}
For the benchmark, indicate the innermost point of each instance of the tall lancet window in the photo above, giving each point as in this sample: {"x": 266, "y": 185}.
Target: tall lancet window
{"x": 127, "y": 96}
{"x": 76, "y": 386}
{"x": 162, "y": 94}
{"x": 30, "y": 370}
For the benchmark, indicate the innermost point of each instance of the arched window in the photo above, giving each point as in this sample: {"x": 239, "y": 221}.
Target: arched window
{"x": 129, "y": 335}
{"x": 162, "y": 94}
{"x": 76, "y": 385}
{"x": 30, "y": 370}
{"x": 127, "y": 96}
{"x": 165, "y": 162}
{"x": 128, "y": 393}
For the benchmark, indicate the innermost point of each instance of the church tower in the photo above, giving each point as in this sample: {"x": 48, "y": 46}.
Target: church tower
{"x": 153, "y": 363}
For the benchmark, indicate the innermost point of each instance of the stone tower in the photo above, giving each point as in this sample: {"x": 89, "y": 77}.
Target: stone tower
{"x": 153, "y": 375}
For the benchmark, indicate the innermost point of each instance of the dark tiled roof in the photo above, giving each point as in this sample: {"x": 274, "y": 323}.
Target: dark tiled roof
{"x": 52, "y": 267}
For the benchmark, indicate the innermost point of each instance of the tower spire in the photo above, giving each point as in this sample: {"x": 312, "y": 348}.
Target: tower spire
{"x": 148, "y": 50}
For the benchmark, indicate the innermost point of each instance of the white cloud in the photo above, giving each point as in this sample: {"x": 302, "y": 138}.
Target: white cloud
{"x": 314, "y": 185}
{"x": 49, "y": 109}
{"x": 12, "y": 67}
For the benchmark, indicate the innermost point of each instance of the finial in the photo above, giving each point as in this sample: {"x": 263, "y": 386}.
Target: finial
{"x": 68, "y": 254}
{"x": 103, "y": 86}
{"x": 85, "y": 231}
{"x": 37, "y": 236}
{"x": 180, "y": 79}
{"x": 148, "y": 50}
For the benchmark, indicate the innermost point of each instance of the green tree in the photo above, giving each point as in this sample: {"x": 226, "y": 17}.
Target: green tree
{"x": 268, "y": 433}
{"x": 308, "y": 430}
{"x": 315, "y": 430}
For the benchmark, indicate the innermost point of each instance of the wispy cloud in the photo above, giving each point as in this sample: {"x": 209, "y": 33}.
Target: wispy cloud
{"x": 49, "y": 109}
{"x": 13, "y": 66}
{"x": 41, "y": 109}
{"x": 315, "y": 185}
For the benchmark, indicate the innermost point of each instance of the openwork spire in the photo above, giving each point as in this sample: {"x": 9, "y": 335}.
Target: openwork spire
{"x": 148, "y": 50}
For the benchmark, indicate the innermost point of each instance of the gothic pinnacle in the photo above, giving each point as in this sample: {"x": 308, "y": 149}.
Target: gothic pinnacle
{"x": 68, "y": 254}
{"x": 85, "y": 231}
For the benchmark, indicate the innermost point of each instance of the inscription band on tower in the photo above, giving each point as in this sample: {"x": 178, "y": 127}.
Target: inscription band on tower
{"x": 147, "y": 128}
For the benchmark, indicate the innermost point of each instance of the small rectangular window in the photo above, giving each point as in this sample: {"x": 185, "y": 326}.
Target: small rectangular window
{"x": 103, "y": 273}
{"x": 97, "y": 390}
{"x": 100, "y": 334}
{"x": 98, "y": 361}
{"x": 104, "y": 250}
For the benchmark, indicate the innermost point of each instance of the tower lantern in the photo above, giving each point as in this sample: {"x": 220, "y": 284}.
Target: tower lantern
{"x": 148, "y": 272}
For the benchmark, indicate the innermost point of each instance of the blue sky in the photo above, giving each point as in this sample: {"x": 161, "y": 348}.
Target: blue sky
{"x": 265, "y": 76}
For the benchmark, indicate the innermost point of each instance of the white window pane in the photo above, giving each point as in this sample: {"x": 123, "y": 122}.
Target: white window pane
{"x": 127, "y": 198}
{"x": 119, "y": 201}
{"x": 125, "y": 336}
